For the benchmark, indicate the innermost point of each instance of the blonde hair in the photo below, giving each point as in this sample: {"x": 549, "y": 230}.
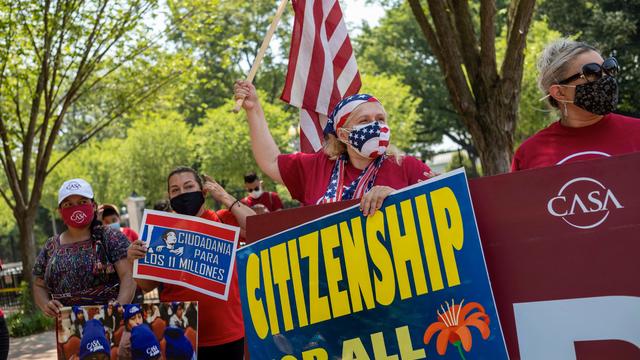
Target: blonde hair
{"x": 554, "y": 61}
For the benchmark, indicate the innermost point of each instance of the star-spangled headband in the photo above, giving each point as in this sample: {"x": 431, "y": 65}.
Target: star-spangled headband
{"x": 343, "y": 109}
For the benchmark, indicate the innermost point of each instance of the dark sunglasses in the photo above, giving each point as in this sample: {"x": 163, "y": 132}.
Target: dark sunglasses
{"x": 254, "y": 189}
{"x": 592, "y": 71}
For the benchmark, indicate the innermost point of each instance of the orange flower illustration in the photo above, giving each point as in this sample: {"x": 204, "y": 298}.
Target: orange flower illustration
{"x": 454, "y": 323}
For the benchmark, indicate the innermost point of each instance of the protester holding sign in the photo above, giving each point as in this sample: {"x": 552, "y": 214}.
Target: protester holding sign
{"x": 220, "y": 331}
{"x": 358, "y": 160}
{"x": 86, "y": 264}
{"x": 582, "y": 85}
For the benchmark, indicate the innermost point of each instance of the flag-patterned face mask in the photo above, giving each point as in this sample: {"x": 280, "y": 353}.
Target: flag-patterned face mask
{"x": 370, "y": 140}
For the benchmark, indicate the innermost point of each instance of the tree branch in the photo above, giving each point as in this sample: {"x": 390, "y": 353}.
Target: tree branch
{"x": 16, "y": 101}
{"x": 98, "y": 127}
{"x": 467, "y": 38}
{"x": 51, "y": 93}
{"x": 518, "y": 29}
{"x": 9, "y": 41}
{"x": 7, "y": 200}
{"x": 126, "y": 58}
{"x": 448, "y": 55}
{"x": 132, "y": 55}
{"x": 10, "y": 166}
{"x": 43, "y": 76}
{"x": 488, "y": 38}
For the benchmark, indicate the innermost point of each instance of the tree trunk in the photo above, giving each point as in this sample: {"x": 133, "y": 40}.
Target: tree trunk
{"x": 473, "y": 158}
{"x": 485, "y": 97}
{"x": 497, "y": 119}
{"x": 26, "y": 223}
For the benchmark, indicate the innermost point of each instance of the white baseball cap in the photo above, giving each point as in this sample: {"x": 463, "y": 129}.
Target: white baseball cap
{"x": 75, "y": 187}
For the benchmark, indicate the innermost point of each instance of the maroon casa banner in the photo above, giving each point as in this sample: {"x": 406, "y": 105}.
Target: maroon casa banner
{"x": 561, "y": 245}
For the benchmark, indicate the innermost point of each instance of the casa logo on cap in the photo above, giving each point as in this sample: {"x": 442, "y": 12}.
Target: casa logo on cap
{"x": 153, "y": 351}
{"x": 94, "y": 346}
{"x": 73, "y": 186}
{"x": 133, "y": 309}
{"x": 583, "y": 203}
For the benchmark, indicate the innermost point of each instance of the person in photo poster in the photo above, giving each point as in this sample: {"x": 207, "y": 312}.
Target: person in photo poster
{"x": 132, "y": 319}
{"x": 144, "y": 345}
{"x": 179, "y": 319}
{"x": 94, "y": 344}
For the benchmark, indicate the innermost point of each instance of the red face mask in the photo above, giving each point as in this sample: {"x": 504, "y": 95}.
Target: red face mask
{"x": 78, "y": 216}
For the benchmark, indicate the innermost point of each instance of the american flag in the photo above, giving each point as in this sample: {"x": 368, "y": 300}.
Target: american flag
{"x": 322, "y": 67}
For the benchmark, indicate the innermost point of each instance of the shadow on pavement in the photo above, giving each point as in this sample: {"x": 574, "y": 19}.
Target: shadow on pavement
{"x": 37, "y": 347}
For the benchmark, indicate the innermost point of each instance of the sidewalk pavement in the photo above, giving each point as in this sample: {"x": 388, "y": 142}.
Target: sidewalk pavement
{"x": 35, "y": 347}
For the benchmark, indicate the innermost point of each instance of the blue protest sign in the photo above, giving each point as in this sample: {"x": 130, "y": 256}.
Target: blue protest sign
{"x": 409, "y": 281}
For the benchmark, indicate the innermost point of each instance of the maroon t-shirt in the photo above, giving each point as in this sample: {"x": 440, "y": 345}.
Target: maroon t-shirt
{"x": 614, "y": 134}
{"x": 131, "y": 234}
{"x": 270, "y": 200}
{"x": 307, "y": 175}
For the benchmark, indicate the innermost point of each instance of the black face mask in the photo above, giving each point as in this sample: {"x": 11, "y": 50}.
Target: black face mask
{"x": 597, "y": 97}
{"x": 188, "y": 203}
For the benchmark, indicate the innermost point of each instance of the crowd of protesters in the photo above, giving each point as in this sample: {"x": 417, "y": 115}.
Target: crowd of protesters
{"x": 90, "y": 262}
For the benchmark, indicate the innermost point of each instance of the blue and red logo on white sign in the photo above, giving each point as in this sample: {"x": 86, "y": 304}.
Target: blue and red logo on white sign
{"x": 188, "y": 251}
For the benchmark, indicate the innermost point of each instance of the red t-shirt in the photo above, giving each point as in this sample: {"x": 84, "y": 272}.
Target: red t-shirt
{"x": 219, "y": 321}
{"x": 614, "y": 134}
{"x": 131, "y": 234}
{"x": 307, "y": 175}
{"x": 270, "y": 200}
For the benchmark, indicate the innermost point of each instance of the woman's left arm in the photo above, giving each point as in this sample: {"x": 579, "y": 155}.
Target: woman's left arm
{"x": 127, "y": 285}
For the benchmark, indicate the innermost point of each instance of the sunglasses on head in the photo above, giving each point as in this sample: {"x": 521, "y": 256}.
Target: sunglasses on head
{"x": 592, "y": 71}
{"x": 254, "y": 189}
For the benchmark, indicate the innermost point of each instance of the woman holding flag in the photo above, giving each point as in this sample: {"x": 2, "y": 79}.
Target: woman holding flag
{"x": 357, "y": 162}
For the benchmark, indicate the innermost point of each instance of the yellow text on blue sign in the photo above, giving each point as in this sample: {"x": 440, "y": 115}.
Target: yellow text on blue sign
{"x": 279, "y": 266}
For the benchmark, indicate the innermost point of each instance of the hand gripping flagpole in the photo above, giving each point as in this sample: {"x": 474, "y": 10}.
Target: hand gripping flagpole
{"x": 263, "y": 48}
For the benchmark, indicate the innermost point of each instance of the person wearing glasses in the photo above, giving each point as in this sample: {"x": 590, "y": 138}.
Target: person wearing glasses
{"x": 270, "y": 201}
{"x": 358, "y": 161}
{"x": 582, "y": 86}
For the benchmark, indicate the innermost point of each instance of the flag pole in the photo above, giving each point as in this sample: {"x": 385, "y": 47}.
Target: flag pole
{"x": 263, "y": 48}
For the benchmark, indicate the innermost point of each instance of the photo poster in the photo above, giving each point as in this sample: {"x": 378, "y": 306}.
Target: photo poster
{"x": 408, "y": 282}
{"x": 188, "y": 251}
{"x": 150, "y": 331}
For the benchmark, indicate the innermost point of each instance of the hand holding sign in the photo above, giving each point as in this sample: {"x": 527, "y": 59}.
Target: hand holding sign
{"x": 372, "y": 200}
{"x": 136, "y": 250}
